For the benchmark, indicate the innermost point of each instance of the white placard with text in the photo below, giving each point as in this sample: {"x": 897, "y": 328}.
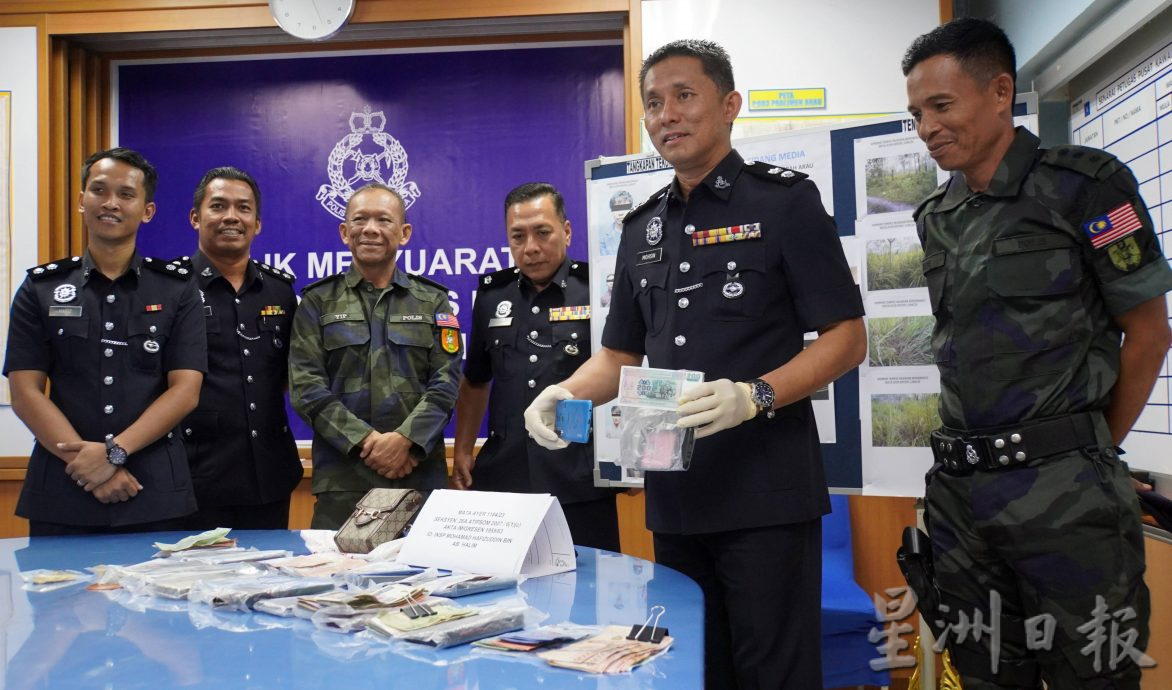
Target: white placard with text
{"x": 492, "y": 533}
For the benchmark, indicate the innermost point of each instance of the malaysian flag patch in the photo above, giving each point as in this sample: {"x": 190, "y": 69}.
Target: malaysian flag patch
{"x": 446, "y": 319}
{"x": 1116, "y": 224}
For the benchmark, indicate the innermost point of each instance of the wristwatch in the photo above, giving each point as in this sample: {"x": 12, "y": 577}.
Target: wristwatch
{"x": 762, "y": 395}
{"x": 115, "y": 454}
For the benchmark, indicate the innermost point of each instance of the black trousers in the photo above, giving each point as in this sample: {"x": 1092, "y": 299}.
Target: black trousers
{"x": 38, "y": 528}
{"x": 762, "y": 603}
{"x": 594, "y": 523}
{"x": 273, "y": 515}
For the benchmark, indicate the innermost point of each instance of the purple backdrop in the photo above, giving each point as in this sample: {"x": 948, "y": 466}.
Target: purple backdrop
{"x": 456, "y": 130}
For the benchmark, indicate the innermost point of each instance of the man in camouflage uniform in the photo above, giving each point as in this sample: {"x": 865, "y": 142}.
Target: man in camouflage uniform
{"x": 1037, "y": 262}
{"x": 374, "y": 365}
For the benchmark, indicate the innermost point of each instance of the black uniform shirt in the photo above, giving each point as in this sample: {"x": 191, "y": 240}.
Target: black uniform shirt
{"x": 524, "y": 340}
{"x": 107, "y": 346}
{"x": 727, "y": 283}
{"x": 238, "y": 440}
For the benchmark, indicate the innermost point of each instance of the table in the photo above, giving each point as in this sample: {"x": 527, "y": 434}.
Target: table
{"x": 72, "y": 638}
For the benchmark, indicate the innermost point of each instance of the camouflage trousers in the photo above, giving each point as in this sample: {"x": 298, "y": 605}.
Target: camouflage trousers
{"x": 1041, "y": 569}
{"x": 331, "y": 509}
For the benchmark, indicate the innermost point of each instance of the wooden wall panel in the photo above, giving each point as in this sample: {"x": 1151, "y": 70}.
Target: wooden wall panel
{"x": 1159, "y": 556}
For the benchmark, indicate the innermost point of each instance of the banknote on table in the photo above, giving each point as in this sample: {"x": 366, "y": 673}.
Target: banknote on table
{"x": 608, "y": 652}
{"x": 217, "y": 537}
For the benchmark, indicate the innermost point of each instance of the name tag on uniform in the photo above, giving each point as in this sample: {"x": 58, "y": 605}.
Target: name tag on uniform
{"x": 570, "y": 313}
{"x": 649, "y": 257}
{"x": 74, "y": 311}
{"x": 326, "y": 319}
{"x": 408, "y": 318}
{"x": 733, "y": 233}
{"x": 500, "y": 321}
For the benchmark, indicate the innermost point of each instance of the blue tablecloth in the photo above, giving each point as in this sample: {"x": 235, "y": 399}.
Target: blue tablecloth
{"x": 73, "y": 638}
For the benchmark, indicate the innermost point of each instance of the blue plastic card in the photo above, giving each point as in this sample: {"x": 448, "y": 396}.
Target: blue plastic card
{"x": 572, "y": 420}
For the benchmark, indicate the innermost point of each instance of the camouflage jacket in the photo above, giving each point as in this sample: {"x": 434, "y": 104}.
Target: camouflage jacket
{"x": 1025, "y": 278}
{"x": 394, "y": 369}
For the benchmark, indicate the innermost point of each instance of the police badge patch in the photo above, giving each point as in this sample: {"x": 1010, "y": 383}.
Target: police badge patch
{"x": 654, "y": 231}
{"x": 64, "y": 293}
{"x": 450, "y": 340}
{"x": 1124, "y": 254}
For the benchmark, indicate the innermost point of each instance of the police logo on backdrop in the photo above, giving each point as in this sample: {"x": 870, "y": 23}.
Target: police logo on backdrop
{"x": 367, "y": 154}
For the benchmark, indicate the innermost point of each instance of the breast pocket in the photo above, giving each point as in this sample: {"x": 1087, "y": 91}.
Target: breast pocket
{"x": 502, "y": 352}
{"x": 413, "y": 344}
{"x": 1035, "y": 315}
{"x": 934, "y": 274}
{"x": 736, "y": 282}
{"x": 571, "y": 346}
{"x": 70, "y": 341}
{"x": 345, "y": 342}
{"x": 147, "y": 336}
{"x": 651, "y": 294}
{"x": 274, "y": 334}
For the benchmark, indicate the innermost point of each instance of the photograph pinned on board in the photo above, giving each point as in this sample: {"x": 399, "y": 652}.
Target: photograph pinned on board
{"x": 902, "y": 341}
{"x": 895, "y": 263}
{"x": 903, "y": 420}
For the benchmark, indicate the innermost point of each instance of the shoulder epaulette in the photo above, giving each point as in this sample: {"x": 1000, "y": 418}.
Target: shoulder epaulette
{"x": 428, "y": 281}
{"x": 775, "y": 173}
{"x": 180, "y": 262}
{"x": 936, "y": 194}
{"x": 654, "y": 198}
{"x": 322, "y": 281}
{"x": 176, "y": 268}
{"x": 54, "y": 267}
{"x": 1081, "y": 159}
{"x": 275, "y": 272}
{"x": 498, "y": 278}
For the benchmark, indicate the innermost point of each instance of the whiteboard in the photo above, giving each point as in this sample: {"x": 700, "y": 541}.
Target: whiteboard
{"x": 1126, "y": 114}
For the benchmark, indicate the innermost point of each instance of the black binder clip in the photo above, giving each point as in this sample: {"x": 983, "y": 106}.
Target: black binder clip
{"x": 417, "y": 609}
{"x": 653, "y": 635}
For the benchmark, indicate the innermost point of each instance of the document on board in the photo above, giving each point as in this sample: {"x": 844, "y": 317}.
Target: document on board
{"x": 493, "y": 533}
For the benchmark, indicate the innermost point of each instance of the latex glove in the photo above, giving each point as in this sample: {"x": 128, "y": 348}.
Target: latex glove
{"x": 539, "y": 417}
{"x": 714, "y": 406}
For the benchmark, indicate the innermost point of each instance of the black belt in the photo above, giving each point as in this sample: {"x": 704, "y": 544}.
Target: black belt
{"x": 963, "y": 452}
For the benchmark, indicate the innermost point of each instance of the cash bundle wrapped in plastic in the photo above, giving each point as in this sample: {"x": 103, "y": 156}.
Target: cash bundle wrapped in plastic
{"x": 649, "y": 438}
{"x": 448, "y": 626}
{"x": 242, "y": 593}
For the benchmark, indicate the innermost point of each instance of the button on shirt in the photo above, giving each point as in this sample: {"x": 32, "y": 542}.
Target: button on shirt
{"x": 365, "y": 359}
{"x": 521, "y": 346}
{"x": 762, "y": 266}
{"x": 238, "y": 440}
{"x": 107, "y": 346}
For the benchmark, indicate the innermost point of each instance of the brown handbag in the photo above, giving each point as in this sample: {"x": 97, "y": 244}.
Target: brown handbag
{"x": 380, "y": 516}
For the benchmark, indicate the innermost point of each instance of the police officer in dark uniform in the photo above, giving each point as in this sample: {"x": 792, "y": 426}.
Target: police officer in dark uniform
{"x": 722, "y": 272}
{"x": 1048, "y": 285}
{"x": 120, "y": 339}
{"x": 531, "y": 328}
{"x": 243, "y": 458}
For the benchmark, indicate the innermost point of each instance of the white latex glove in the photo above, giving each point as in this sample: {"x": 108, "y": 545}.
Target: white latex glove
{"x": 540, "y": 416}
{"x": 714, "y": 406}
